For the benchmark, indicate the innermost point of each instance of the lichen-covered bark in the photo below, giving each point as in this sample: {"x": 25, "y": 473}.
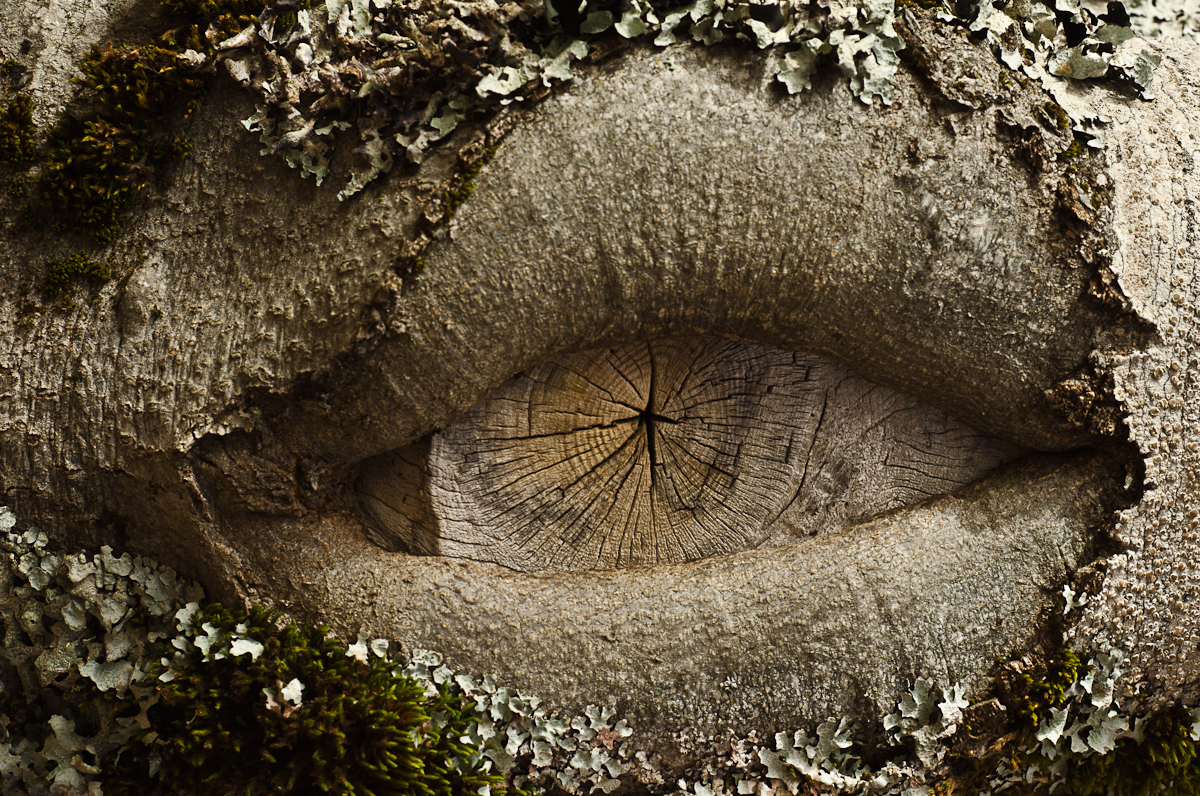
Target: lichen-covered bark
{"x": 211, "y": 407}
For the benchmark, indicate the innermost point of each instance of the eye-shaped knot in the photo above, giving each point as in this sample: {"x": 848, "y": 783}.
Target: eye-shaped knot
{"x": 666, "y": 451}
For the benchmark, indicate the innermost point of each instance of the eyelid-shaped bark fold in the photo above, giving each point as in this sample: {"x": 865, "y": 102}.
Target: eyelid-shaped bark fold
{"x": 664, "y": 451}
{"x": 837, "y": 626}
{"x": 676, "y": 194}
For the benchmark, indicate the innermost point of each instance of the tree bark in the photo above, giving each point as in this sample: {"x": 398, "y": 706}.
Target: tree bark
{"x": 217, "y": 406}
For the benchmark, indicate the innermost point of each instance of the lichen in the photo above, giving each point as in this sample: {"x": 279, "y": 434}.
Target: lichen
{"x": 117, "y": 675}
{"x": 406, "y": 75}
{"x": 240, "y": 701}
{"x": 1163, "y": 761}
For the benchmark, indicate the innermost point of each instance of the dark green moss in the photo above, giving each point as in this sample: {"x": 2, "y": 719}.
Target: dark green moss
{"x": 96, "y": 166}
{"x": 11, "y": 70}
{"x": 361, "y": 728}
{"x": 17, "y": 143}
{"x": 62, "y": 273}
{"x": 1075, "y": 150}
{"x": 465, "y": 183}
{"x": 1056, "y": 112}
{"x": 1164, "y": 764}
{"x": 97, "y": 161}
{"x": 1029, "y": 688}
{"x": 208, "y": 10}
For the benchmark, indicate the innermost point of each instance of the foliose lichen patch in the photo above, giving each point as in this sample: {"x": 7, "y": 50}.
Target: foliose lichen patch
{"x": 402, "y": 77}
{"x": 409, "y": 75}
{"x": 117, "y": 676}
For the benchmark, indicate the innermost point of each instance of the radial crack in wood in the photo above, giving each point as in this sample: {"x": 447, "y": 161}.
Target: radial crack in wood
{"x": 666, "y": 451}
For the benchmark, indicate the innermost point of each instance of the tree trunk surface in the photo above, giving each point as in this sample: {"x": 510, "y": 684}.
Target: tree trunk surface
{"x": 264, "y": 403}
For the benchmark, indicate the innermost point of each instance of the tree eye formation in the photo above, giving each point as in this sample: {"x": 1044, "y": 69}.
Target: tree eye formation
{"x": 816, "y": 396}
{"x": 666, "y": 451}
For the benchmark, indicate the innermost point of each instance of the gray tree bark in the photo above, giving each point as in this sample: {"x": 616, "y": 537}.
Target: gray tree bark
{"x": 225, "y": 404}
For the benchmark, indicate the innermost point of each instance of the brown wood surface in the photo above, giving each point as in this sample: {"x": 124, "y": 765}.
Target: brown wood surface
{"x": 666, "y": 451}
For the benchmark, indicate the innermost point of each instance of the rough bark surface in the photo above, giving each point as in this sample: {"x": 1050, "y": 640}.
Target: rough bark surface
{"x": 213, "y": 407}
{"x": 1149, "y": 602}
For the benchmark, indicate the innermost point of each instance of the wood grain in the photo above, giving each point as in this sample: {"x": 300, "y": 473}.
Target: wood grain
{"x": 666, "y": 451}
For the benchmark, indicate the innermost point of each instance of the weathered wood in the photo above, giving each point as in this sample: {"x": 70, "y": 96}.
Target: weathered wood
{"x": 666, "y": 451}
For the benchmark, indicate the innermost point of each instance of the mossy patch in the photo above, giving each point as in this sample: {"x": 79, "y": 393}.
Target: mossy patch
{"x": 80, "y": 266}
{"x": 17, "y": 143}
{"x": 1058, "y": 114}
{"x": 465, "y": 183}
{"x": 117, "y": 139}
{"x": 1028, "y": 687}
{"x": 295, "y": 713}
{"x": 1076, "y": 149}
{"x": 95, "y": 166}
{"x": 1164, "y": 763}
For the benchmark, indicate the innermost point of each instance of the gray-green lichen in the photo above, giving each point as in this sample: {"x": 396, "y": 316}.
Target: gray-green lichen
{"x": 368, "y": 57}
{"x": 70, "y": 618}
{"x": 1157, "y": 18}
{"x": 406, "y": 76}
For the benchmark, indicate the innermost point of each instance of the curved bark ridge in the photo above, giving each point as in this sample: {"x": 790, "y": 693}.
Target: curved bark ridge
{"x": 666, "y": 451}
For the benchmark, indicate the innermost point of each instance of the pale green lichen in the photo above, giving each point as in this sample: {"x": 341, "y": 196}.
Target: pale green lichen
{"x": 102, "y": 652}
{"x": 1060, "y": 42}
{"x": 364, "y": 60}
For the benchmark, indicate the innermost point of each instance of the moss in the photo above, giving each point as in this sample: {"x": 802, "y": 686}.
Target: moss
{"x": 212, "y": 9}
{"x": 465, "y": 183}
{"x": 11, "y": 70}
{"x": 1029, "y": 687}
{"x": 61, "y": 273}
{"x": 17, "y": 187}
{"x": 96, "y": 166}
{"x": 1075, "y": 150}
{"x": 1056, "y": 112}
{"x": 1166, "y": 763}
{"x": 96, "y": 162}
{"x": 362, "y": 727}
{"x": 16, "y": 131}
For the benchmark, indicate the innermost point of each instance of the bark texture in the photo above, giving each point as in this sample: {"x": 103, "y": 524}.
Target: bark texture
{"x": 1149, "y": 602}
{"x": 214, "y": 406}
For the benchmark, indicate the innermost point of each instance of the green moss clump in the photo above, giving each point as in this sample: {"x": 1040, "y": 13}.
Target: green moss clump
{"x": 1164, "y": 764}
{"x": 925, "y": 5}
{"x": 466, "y": 183}
{"x": 97, "y": 162}
{"x": 359, "y": 728}
{"x": 208, "y": 10}
{"x": 62, "y": 273}
{"x": 1029, "y": 689}
{"x": 11, "y": 70}
{"x": 16, "y": 131}
{"x": 1057, "y": 113}
{"x": 1076, "y": 149}
{"x": 97, "y": 165}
